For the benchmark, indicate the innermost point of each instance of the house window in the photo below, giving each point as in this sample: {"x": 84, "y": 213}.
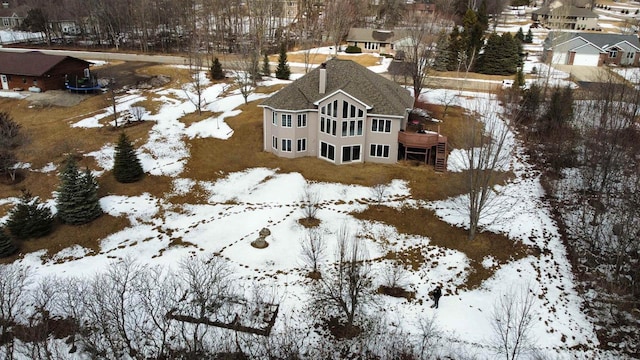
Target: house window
{"x": 302, "y": 120}
{"x": 381, "y": 125}
{"x": 286, "y": 120}
{"x": 381, "y": 151}
{"x": 286, "y": 145}
{"x": 302, "y": 145}
{"x": 35, "y": 82}
{"x": 274, "y": 118}
{"x": 328, "y": 126}
{"x": 630, "y": 55}
{"x": 350, "y": 153}
{"x": 371, "y": 45}
{"x": 24, "y": 80}
{"x": 613, "y": 53}
{"x": 327, "y": 151}
{"x": 274, "y": 142}
{"x": 352, "y": 128}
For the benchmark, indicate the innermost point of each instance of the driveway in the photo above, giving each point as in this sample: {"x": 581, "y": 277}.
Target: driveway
{"x": 588, "y": 74}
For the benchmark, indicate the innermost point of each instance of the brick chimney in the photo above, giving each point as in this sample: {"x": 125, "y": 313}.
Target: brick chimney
{"x": 323, "y": 79}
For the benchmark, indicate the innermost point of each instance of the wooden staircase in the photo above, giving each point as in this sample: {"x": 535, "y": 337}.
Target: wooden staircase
{"x": 441, "y": 157}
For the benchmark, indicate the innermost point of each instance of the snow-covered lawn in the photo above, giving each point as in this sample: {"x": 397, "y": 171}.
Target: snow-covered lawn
{"x": 240, "y": 204}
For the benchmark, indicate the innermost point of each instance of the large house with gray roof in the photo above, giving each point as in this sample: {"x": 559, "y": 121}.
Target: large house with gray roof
{"x": 343, "y": 113}
{"x": 557, "y": 16}
{"x": 375, "y": 40}
{"x": 591, "y": 49}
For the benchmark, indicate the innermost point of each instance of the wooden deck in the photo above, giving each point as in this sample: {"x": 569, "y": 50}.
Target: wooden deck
{"x": 426, "y": 144}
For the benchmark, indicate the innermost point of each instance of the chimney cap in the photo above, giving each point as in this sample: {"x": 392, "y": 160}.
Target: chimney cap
{"x": 323, "y": 65}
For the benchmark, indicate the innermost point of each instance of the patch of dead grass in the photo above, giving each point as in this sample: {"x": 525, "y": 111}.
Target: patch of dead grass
{"x": 424, "y": 222}
{"x": 317, "y": 59}
{"x": 194, "y": 117}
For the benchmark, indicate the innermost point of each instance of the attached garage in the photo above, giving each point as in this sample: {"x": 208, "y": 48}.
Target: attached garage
{"x": 586, "y": 59}
{"x": 559, "y": 58}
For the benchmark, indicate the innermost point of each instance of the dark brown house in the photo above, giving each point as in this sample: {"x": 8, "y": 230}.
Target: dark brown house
{"x": 36, "y": 71}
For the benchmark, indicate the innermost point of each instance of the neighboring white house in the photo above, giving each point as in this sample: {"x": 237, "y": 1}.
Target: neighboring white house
{"x": 344, "y": 113}
{"x": 591, "y": 49}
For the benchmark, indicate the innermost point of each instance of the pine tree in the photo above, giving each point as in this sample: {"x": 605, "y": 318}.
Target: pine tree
{"x": 77, "y": 200}
{"x": 29, "y": 218}
{"x": 528, "y": 39}
{"x": 441, "y": 61}
{"x": 216, "y": 70}
{"x": 266, "y": 68}
{"x": 520, "y": 35}
{"x": 282, "y": 71}
{"x": 126, "y": 166}
{"x": 519, "y": 81}
{"x": 7, "y": 247}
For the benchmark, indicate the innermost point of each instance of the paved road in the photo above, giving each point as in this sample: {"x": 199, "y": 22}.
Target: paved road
{"x": 439, "y": 82}
{"x": 107, "y": 56}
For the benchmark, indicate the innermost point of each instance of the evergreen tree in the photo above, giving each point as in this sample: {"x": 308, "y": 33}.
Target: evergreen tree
{"x": 473, "y": 34}
{"x": 441, "y": 61}
{"x": 454, "y": 49}
{"x": 520, "y": 35}
{"x": 501, "y": 55}
{"x": 77, "y": 200}
{"x": 528, "y": 39}
{"x": 519, "y": 82}
{"x": 7, "y": 247}
{"x": 29, "y": 218}
{"x": 216, "y": 70}
{"x": 266, "y": 68}
{"x": 126, "y": 166}
{"x": 283, "y": 71}
{"x": 483, "y": 18}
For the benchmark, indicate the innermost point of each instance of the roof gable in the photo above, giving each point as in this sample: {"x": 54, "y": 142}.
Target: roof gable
{"x": 601, "y": 40}
{"x": 33, "y": 63}
{"x": 384, "y": 96}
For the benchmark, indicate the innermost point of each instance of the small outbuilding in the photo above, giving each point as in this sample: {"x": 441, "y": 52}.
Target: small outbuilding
{"x": 36, "y": 71}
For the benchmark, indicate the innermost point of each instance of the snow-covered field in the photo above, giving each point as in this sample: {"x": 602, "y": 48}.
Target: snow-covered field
{"x": 240, "y": 204}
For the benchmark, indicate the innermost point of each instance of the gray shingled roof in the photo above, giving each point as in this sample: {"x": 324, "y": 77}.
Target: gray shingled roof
{"x": 383, "y": 95}
{"x": 601, "y": 40}
{"x": 33, "y": 63}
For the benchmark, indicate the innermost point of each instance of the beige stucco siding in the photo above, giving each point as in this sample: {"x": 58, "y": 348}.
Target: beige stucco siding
{"x": 382, "y": 138}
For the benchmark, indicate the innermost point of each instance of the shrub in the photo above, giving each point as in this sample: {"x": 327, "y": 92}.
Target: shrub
{"x": 351, "y": 49}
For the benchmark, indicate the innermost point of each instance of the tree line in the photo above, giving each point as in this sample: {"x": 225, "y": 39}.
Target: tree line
{"x": 586, "y": 144}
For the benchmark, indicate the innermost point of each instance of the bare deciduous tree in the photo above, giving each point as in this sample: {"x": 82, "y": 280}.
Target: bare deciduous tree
{"x": 14, "y": 282}
{"x": 486, "y": 155}
{"x": 338, "y": 17}
{"x": 420, "y": 47}
{"x": 310, "y": 202}
{"x": 197, "y": 85}
{"x": 137, "y": 112}
{"x": 346, "y": 287}
{"x": 379, "y": 191}
{"x": 512, "y": 320}
{"x": 313, "y": 249}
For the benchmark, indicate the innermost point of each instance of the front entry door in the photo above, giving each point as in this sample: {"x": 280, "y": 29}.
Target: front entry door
{"x": 5, "y": 83}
